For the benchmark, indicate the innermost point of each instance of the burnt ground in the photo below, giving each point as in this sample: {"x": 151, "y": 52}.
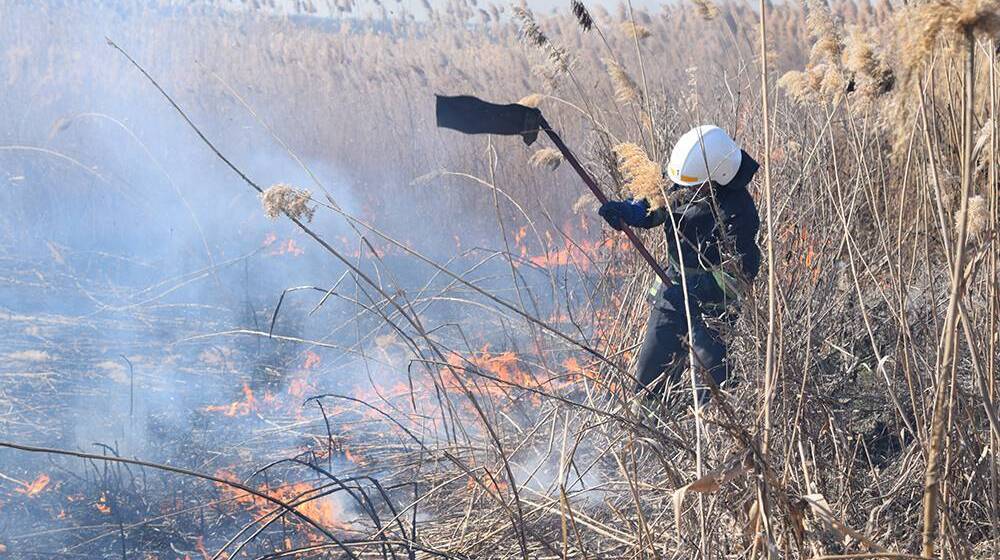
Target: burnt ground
{"x": 107, "y": 355}
{"x": 100, "y": 367}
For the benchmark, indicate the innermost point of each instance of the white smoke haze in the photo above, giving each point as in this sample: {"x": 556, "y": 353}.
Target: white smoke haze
{"x": 141, "y": 280}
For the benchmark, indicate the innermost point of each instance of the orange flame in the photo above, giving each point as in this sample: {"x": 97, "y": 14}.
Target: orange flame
{"x": 237, "y": 408}
{"x": 288, "y": 247}
{"x": 102, "y": 505}
{"x": 505, "y": 367}
{"x": 35, "y": 487}
{"x": 298, "y": 388}
{"x": 325, "y": 510}
{"x": 312, "y": 360}
{"x": 351, "y": 457}
{"x": 578, "y": 255}
{"x": 199, "y": 545}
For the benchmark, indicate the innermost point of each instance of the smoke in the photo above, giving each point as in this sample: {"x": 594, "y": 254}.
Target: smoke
{"x": 579, "y": 471}
{"x": 144, "y": 277}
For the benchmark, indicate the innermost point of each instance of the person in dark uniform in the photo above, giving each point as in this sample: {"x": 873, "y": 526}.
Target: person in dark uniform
{"x": 717, "y": 222}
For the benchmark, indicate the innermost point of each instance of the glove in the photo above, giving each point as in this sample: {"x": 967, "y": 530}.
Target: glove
{"x": 620, "y": 212}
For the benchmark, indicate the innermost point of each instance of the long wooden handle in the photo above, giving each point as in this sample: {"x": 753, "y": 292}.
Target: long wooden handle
{"x": 594, "y": 188}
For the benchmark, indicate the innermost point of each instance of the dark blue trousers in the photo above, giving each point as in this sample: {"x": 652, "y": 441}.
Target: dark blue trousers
{"x": 667, "y": 328}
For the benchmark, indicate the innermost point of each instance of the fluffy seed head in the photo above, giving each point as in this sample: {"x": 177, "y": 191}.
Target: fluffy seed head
{"x": 634, "y": 30}
{"x": 284, "y": 199}
{"x": 625, "y": 88}
{"x": 872, "y": 77}
{"x": 426, "y": 178}
{"x": 833, "y": 85}
{"x": 706, "y": 9}
{"x": 944, "y": 19}
{"x": 796, "y": 85}
{"x": 858, "y": 56}
{"x": 643, "y": 178}
{"x": 546, "y": 157}
{"x": 530, "y": 32}
{"x": 533, "y": 100}
{"x": 982, "y": 140}
{"x": 581, "y": 14}
{"x": 979, "y": 217}
{"x": 823, "y": 29}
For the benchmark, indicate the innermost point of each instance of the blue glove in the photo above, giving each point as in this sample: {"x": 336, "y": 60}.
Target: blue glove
{"x": 630, "y": 212}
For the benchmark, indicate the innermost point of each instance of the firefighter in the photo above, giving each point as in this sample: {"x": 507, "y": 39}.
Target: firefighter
{"x": 716, "y": 221}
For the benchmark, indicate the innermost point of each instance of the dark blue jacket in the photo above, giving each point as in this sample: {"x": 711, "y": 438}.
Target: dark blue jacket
{"x": 697, "y": 223}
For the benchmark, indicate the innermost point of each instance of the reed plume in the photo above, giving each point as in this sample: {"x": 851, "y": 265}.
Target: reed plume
{"x": 531, "y": 34}
{"x": 978, "y": 217}
{"x": 626, "y": 90}
{"x": 531, "y": 100}
{"x": 635, "y": 31}
{"x": 837, "y": 65}
{"x": 585, "y": 203}
{"x": 706, "y": 9}
{"x": 581, "y": 14}
{"x": 284, "y": 199}
{"x": 871, "y": 76}
{"x": 546, "y": 157}
{"x": 642, "y": 177}
{"x": 922, "y": 26}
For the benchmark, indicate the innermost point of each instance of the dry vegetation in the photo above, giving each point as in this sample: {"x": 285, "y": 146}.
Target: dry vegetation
{"x": 867, "y": 427}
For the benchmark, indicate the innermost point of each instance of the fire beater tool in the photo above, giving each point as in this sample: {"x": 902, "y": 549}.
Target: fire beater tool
{"x": 472, "y": 115}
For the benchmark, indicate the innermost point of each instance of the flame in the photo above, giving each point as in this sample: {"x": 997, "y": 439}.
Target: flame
{"x": 520, "y": 235}
{"x": 577, "y": 255}
{"x": 35, "y": 487}
{"x": 505, "y": 367}
{"x": 102, "y": 505}
{"x": 491, "y": 484}
{"x": 298, "y": 388}
{"x": 237, "y": 408}
{"x": 350, "y": 456}
{"x": 288, "y": 247}
{"x": 573, "y": 367}
{"x": 399, "y": 389}
{"x": 356, "y": 249}
{"x": 519, "y": 241}
{"x": 325, "y": 510}
{"x": 312, "y": 360}
{"x": 199, "y": 545}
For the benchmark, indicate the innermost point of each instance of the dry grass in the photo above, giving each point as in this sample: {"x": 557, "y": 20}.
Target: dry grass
{"x": 642, "y": 178}
{"x": 286, "y": 200}
{"x": 546, "y": 157}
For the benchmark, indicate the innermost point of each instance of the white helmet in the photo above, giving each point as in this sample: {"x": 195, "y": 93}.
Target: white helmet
{"x": 704, "y": 153}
